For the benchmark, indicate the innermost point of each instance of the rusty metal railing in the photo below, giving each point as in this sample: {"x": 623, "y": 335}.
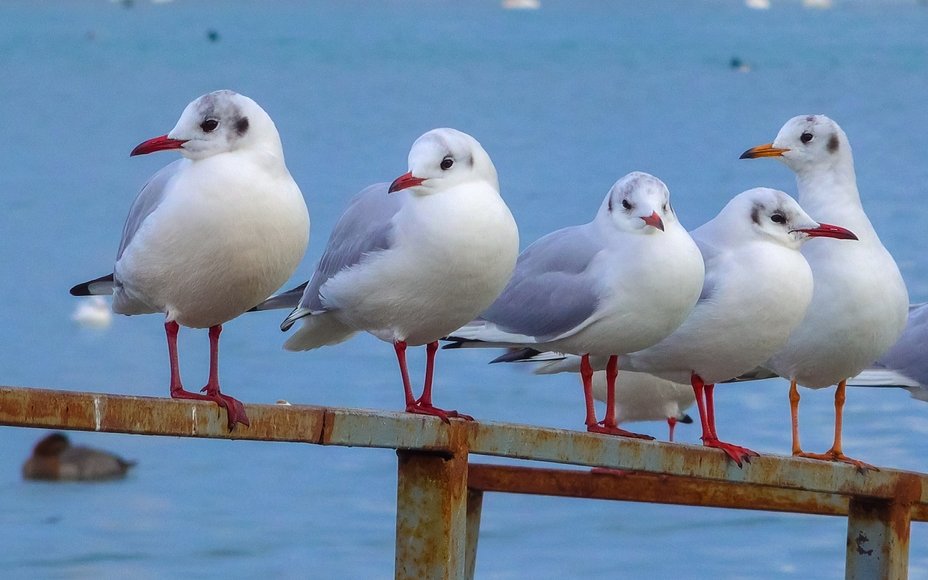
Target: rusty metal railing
{"x": 439, "y": 493}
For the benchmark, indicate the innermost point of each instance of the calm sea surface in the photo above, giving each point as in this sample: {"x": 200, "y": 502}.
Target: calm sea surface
{"x": 566, "y": 99}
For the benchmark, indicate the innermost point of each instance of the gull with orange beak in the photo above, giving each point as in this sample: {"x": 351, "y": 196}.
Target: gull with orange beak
{"x": 617, "y": 284}
{"x": 411, "y": 261}
{"x": 860, "y": 302}
{"x": 212, "y": 234}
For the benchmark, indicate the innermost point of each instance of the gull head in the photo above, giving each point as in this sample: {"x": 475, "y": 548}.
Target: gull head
{"x": 773, "y": 215}
{"x": 807, "y": 143}
{"x": 217, "y": 122}
{"x": 442, "y": 159}
{"x": 638, "y": 203}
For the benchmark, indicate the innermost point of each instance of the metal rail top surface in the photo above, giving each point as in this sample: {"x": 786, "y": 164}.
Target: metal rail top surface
{"x": 43, "y": 408}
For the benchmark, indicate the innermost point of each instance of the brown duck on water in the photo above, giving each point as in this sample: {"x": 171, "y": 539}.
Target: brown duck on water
{"x": 54, "y": 459}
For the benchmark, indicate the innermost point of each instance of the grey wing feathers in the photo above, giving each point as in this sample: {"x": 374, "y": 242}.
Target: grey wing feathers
{"x": 288, "y": 299}
{"x": 552, "y": 290}
{"x": 366, "y": 227}
{"x": 146, "y": 202}
{"x": 907, "y": 357}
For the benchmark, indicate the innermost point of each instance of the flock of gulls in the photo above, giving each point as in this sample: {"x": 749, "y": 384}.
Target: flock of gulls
{"x": 769, "y": 287}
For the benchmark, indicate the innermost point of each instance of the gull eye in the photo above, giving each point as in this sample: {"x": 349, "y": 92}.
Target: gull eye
{"x": 665, "y": 207}
{"x": 626, "y": 205}
{"x": 209, "y": 125}
{"x": 446, "y": 163}
{"x": 806, "y": 137}
{"x": 778, "y": 218}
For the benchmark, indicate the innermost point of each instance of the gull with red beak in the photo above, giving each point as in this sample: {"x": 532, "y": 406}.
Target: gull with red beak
{"x": 757, "y": 288}
{"x": 212, "y": 234}
{"x": 617, "y": 284}
{"x": 411, "y": 261}
{"x": 860, "y": 302}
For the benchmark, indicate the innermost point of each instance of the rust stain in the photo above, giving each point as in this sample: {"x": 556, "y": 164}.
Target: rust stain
{"x": 860, "y": 541}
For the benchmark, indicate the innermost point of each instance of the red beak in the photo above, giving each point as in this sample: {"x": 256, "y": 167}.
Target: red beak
{"x": 157, "y": 144}
{"x": 654, "y": 221}
{"x": 405, "y": 180}
{"x": 829, "y": 231}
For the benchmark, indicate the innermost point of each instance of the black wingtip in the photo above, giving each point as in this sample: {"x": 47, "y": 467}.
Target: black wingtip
{"x": 452, "y": 343}
{"x": 515, "y": 355}
{"x": 686, "y": 419}
{"x": 84, "y": 289}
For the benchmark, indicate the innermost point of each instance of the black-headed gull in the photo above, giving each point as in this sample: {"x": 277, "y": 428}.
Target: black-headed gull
{"x": 756, "y": 290}
{"x": 644, "y": 397}
{"x": 411, "y": 261}
{"x": 617, "y": 284}
{"x": 860, "y": 301}
{"x": 212, "y": 234}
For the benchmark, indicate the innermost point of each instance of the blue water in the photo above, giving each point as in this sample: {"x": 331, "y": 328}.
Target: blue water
{"x": 566, "y": 99}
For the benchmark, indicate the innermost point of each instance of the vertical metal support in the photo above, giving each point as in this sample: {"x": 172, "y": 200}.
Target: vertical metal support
{"x": 431, "y": 515}
{"x": 474, "y": 507}
{"x": 878, "y": 534}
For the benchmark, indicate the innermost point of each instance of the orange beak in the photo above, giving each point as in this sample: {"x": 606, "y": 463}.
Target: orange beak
{"x": 765, "y": 150}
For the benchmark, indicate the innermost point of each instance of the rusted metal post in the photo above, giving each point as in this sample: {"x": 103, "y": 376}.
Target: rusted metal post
{"x": 878, "y": 534}
{"x": 431, "y": 512}
{"x": 474, "y": 507}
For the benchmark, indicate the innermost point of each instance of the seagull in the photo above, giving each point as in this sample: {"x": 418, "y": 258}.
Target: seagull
{"x": 860, "y": 301}
{"x": 905, "y": 364}
{"x": 55, "y": 459}
{"x": 757, "y": 289}
{"x": 412, "y": 260}
{"x": 617, "y": 284}
{"x": 210, "y": 235}
{"x": 644, "y": 397}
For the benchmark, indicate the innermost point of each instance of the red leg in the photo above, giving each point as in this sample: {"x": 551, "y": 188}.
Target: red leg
{"x": 706, "y": 405}
{"x": 710, "y": 409}
{"x": 423, "y": 406}
{"x": 612, "y": 373}
{"x": 671, "y": 423}
{"x": 399, "y": 346}
{"x": 586, "y": 375}
{"x": 234, "y": 409}
{"x": 608, "y": 426}
{"x": 177, "y": 388}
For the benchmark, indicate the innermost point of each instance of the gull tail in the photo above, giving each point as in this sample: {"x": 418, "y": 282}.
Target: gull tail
{"x": 881, "y": 377}
{"x": 289, "y": 299}
{"x": 101, "y": 286}
{"x": 756, "y": 374}
{"x": 482, "y": 334}
{"x": 317, "y": 330}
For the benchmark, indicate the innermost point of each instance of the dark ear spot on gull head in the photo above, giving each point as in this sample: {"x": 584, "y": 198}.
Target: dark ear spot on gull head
{"x": 241, "y": 126}
{"x": 833, "y": 143}
{"x": 755, "y": 213}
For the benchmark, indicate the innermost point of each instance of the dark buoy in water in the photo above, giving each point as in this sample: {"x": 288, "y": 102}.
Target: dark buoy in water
{"x": 738, "y": 65}
{"x": 212, "y": 35}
